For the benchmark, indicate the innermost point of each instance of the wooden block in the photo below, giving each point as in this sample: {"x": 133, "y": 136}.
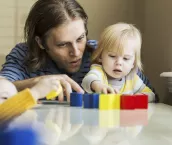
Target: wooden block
{"x": 76, "y": 99}
{"x": 128, "y": 102}
{"x": 109, "y": 101}
{"x": 54, "y": 94}
{"x": 87, "y": 98}
{"x": 91, "y": 100}
{"x": 141, "y": 101}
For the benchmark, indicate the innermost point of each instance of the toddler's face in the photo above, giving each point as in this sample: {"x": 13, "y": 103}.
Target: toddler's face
{"x": 117, "y": 66}
{"x": 7, "y": 89}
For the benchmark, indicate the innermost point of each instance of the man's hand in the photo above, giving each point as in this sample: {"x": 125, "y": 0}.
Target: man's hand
{"x": 48, "y": 83}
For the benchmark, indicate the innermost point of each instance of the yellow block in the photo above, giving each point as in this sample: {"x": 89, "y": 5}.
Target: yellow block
{"x": 54, "y": 94}
{"x": 109, "y": 118}
{"x": 109, "y": 101}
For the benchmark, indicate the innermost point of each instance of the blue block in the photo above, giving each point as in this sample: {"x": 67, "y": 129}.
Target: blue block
{"x": 95, "y": 98}
{"x": 76, "y": 99}
{"x": 91, "y": 100}
{"x": 87, "y": 101}
{"x": 24, "y": 136}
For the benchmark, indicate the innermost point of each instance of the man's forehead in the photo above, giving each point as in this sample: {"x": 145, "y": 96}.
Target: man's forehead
{"x": 69, "y": 32}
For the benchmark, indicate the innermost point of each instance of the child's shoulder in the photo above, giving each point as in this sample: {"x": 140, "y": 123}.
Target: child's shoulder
{"x": 132, "y": 75}
{"x": 98, "y": 69}
{"x": 96, "y": 66}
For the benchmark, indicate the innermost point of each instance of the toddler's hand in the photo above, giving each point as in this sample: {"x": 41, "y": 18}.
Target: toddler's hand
{"x": 99, "y": 87}
{"x": 116, "y": 91}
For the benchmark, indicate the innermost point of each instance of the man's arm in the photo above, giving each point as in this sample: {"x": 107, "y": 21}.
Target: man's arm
{"x": 14, "y": 68}
{"x": 28, "y": 83}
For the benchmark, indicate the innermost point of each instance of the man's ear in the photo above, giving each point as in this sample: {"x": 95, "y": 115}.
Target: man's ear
{"x": 39, "y": 42}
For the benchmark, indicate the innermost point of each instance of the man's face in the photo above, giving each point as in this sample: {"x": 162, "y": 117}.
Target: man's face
{"x": 66, "y": 45}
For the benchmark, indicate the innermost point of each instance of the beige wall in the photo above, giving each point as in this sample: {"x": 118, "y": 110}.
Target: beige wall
{"x": 12, "y": 17}
{"x": 157, "y": 43}
{"x": 102, "y": 13}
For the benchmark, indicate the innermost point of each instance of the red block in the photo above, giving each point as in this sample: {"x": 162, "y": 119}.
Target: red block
{"x": 128, "y": 102}
{"x": 141, "y": 101}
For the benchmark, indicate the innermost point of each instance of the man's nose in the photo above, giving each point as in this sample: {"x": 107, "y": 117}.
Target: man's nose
{"x": 75, "y": 50}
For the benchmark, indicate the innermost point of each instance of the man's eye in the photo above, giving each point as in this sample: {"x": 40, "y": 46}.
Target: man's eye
{"x": 81, "y": 38}
{"x": 62, "y": 45}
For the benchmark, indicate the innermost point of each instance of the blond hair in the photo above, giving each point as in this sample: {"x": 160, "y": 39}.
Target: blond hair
{"x": 114, "y": 39}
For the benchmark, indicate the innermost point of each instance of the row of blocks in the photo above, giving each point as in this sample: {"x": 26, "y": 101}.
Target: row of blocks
{"x": 109, "y": 101}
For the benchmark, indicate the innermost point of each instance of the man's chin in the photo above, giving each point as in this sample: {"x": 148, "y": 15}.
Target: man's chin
{"x": 73, "y": 70}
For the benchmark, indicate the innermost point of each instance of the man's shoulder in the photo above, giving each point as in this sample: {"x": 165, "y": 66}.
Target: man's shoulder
{"x": 19, "y": 51}
{"x": 20, "y": 47}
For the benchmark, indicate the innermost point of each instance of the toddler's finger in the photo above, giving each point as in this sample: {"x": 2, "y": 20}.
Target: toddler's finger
{"x": 116, "y": 91}
{"x": 110, "y": 90}
{"x": 104, "y": 91}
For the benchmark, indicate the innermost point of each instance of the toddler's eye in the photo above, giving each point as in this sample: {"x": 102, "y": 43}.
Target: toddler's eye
{"x": 112, "y": 56}
{"x": 126, "y": 59}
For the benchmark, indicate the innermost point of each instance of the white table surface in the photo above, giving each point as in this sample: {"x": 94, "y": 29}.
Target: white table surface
{"x": 65, "y": 125}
